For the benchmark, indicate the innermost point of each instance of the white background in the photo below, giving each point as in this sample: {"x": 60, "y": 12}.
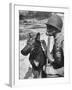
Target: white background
{"x": 4, "y": 41}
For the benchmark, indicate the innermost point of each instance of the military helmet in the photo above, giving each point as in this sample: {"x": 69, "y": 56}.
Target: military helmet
{"x": 56, "y": 22}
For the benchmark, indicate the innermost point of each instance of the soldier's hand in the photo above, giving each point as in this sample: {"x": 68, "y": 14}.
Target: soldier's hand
{"x": 50, "y": 70}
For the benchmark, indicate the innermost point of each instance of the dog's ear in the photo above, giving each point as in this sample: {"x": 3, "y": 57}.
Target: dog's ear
{"x": 38, "y": 36}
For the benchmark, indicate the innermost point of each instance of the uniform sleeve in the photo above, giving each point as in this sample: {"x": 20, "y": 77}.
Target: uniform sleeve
{"x": 60, "y": 40}
{"x": 58, "y": 53}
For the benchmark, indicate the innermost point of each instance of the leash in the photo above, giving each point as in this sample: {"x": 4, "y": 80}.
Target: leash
{"x": 48, "y": 53}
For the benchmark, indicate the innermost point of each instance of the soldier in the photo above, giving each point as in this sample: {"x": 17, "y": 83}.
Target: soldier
{"x": 56, "y": 57}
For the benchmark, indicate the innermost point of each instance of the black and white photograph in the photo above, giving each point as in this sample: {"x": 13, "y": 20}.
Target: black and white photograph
{"x": 41, "y": 44}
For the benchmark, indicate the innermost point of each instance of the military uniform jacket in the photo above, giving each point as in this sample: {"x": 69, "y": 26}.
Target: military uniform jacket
{"x": 58, "y": 51}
